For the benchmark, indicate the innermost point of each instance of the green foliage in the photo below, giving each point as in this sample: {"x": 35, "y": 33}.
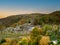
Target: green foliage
{"x": 47, "y": 27}
{"x": 36, "y": 32}
{"x": 2, "y": 41}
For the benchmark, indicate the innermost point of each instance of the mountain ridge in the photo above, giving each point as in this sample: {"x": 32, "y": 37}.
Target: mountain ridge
{"x": 53, "y": 17}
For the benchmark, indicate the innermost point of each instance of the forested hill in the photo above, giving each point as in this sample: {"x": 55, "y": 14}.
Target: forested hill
{"x": 34, "y": 18}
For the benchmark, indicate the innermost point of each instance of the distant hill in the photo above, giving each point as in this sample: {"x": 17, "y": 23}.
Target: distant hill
{"x": 55, "y": 12}
{"x": 34, "y": 18}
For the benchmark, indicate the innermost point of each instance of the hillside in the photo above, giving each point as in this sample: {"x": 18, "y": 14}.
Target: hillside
{"x": 34, "y": 18}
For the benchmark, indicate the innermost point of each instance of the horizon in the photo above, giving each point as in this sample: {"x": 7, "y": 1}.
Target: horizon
{"x": 15, "y": 7}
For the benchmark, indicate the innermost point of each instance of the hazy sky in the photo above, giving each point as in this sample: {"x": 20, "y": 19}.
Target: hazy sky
{"x": 12, "y": 7}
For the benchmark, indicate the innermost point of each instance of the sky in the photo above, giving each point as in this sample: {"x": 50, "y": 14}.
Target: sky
{"x": 14, "y": 7}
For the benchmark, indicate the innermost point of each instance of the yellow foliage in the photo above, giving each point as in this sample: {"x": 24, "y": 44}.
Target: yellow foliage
{"x": 13, "y": 42}
{"x": 36, "y": 31}
{"x": 26, "y": 38}
{"x": 5, "y": 44}
{"x": 44, "y": 40}
{"x": 8, "y": 40}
